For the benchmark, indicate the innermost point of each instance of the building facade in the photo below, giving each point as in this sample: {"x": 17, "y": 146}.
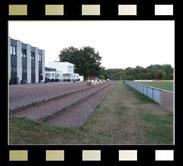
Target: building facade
{"x": 76, "y": 77}
{"x": 66, "y": 68}
{"x": 26, "y": 63}
{"x": 52, "y": 74}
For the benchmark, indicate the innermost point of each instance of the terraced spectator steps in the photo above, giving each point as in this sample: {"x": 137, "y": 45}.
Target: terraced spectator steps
{"x": 49, "y": 110}
{"x": 76, "y": 115}
{"x": 39, "y": 97}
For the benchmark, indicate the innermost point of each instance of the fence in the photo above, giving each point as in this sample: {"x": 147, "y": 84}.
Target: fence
{"x": 163, "y": 97}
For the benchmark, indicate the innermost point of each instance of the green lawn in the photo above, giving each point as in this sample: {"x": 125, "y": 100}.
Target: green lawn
{"x": 162, "y": 85}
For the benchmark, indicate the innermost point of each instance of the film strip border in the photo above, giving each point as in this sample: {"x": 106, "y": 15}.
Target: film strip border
{"x": 93, "y": 10}
{"x": 62, "y": 156}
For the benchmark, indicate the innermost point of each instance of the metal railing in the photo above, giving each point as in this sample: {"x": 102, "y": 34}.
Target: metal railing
{"x": 161, "y": 96}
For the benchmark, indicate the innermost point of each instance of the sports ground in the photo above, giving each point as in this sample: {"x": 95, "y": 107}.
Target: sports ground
{"x": 161, "y": 85}
{"x": 124, "y": 117}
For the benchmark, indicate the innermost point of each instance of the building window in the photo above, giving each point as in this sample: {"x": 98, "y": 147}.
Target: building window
{"x": 48, "y": 75}
{"x": 32, "y": 70}
{"x": 13, "y": 50}
{"x": 24, "y": 70}
{"x": 13, "y": 69}
{"x": 24, "y": 53}
{"x": 40, "y": 57}
{"x": 33, "y": 55}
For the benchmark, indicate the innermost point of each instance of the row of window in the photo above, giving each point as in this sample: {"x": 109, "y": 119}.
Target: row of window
{"x": 13, "y": 69}
{"x": 40, "y": 57}
{"x": 24, "y": 70}
{"x": 49, "y": 75}
{"x": 32, "y": 70}
{"x": 24, "y": 53}
{"x": 32, "y": 55}
{"x": 12, "y": 50}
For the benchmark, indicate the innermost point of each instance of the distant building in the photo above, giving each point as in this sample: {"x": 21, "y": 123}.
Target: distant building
{"x": 76, "y": 77}
{"x": 51, "y": 74}
{"x": 26, "y": 63}
{"x": 67, "y": 71}
{"x": 81, "y": 78}
{"x": 91, "y": 78}
{"x": 66, "y": 68}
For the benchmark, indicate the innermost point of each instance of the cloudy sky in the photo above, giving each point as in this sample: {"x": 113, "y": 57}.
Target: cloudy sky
{"x": 121, "y": 44}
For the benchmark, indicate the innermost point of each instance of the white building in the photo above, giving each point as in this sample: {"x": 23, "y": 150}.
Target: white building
{"x": 81, "y": 78}
{"x": 76, "y": 76}
{"x": 52, "y": 74}
{"x": 66, "y": 68}
{"x": 67, "y": 71}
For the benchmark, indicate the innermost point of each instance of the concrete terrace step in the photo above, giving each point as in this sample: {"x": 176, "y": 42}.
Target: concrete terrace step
{"x": 46, "y": 111}
{"x": 77, "y": 114}
{"x": 39, "y": 102}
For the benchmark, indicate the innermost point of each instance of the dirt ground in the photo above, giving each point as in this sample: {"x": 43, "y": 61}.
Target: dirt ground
{"x": 121, "y": 118}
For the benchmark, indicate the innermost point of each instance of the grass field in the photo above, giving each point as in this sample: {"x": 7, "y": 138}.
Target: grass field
{"x": 162, "y": 85}
{"x": 123, "y": 117}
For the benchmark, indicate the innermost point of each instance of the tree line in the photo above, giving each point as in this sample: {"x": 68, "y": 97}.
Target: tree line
{"x": 152, "y": 72}
{"x": 88, "y": 63}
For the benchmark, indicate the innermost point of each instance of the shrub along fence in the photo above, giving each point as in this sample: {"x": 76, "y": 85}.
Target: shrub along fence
{"x": 161, "y": 96}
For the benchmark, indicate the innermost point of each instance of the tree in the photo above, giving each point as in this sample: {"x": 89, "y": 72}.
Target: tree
{"x": 68, "y": 54}
{"x": 170, "y": 76}
{"x": 161, "y": 74}
{"x": 86, "y": 60}
{"x": 103, "y": 74}
{"x": 123, "y": 75}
